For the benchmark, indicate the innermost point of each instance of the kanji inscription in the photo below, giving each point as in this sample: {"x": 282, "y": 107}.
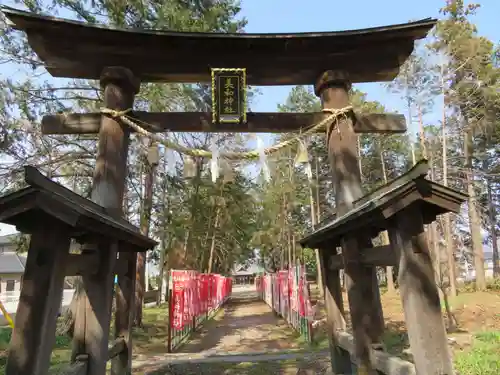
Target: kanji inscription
{"x": 228, "y": 95}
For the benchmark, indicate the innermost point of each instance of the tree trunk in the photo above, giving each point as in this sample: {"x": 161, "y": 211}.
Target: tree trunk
{"x": 161, "y": 275}
{"x": 360, "y": 161}
{"x": 163, "y": 263}
{"x": 448, "y": 235}
{"x": 68, "y": 318}
{"x": 433, "y": 239}
{"x": 212, "y": 245}
{"x": 141, "y": 277}
{"x": 493, "y": 232}
{"x": 316, "y": 214}
{"x": 385, "y": 235}
{"x": 318, "y": 201}
{"x": 423, "y": 143}
{"x": 474, "y": 222}
{"x": 290, "y": 200}
{"x": 316, "y": 251}
{"x": 195, "y": 198}
{"x": 286, "y": 229}
{"x": 166, "y": 241}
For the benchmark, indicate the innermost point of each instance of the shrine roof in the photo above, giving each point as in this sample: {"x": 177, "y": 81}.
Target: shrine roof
{"x": 79, "y": 50}
{"x": 371, "y": 213}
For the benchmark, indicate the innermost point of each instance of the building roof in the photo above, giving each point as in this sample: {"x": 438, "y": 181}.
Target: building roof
{"x": 247, "y": 270}
{"x": 369, "y": 55}
{"x": 12, "y": 263}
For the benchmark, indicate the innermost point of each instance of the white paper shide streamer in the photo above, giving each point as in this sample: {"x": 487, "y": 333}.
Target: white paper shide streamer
{"x": 262, "y": 159}
{"x": 214, "y": 163}
{"x": 302, "y": 158}
{"x": 227, "y": 172}
{"x": 308, "y": 170}
{"x": 170, "y": 157}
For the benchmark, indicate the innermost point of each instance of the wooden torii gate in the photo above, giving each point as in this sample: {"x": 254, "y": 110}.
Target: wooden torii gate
{"x": 122, "y": 59}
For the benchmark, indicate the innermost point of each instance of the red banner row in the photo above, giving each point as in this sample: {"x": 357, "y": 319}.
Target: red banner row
{"x": 194, "y": 294}
{"x": 286, "y": 290}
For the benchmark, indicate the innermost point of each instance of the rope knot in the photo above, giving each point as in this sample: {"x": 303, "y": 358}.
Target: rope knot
{"x": 338, "y": 111}
{"x": 115, "y": 113}
{"x": 335, "y": 113}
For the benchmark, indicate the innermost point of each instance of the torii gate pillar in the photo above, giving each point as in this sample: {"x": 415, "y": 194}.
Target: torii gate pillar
{"x": 91, "y": 331}
{"x": 361, "y": 282}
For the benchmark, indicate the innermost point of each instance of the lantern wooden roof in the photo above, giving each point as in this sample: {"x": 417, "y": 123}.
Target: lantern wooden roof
{"x": 79, "y": 50}
{"x": 45, "y": 199}
{"x": 372, "y": 212}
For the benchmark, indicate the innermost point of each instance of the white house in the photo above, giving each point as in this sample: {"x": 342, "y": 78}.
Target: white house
{"x": 245, "y": 273}
{"x": 470, "y": 272}
{"x": 11, "y": 265}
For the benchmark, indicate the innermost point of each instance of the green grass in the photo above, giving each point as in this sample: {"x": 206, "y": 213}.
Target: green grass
{"x": 482, "y": 358}
{"x": 60, "y": 355}
{"x": 5, "y": 334}
{"x": 152, "y": 337}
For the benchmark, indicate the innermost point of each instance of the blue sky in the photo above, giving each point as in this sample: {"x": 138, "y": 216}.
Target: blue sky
{"x": 327, "y": 15}
{"x": 273, "y": 16}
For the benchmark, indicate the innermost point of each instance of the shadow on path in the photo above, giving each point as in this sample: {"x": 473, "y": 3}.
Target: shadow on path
{"x": 246, "y": 325}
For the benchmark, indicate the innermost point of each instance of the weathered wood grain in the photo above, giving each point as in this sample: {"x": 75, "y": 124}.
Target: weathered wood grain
{"x": 380, "y": 256}
{"x": 383, "y": 362}
{"x": 361, "y": 281}
{"x": 35, "y": 324}
{"x": 370, "y": 55}
{"x": 419, "y": 294}
{"x": 124, "y": 315}
{"x": 88, "y": 264}
{"x": 94, "y": 310}
{"x": 158, "y": 122}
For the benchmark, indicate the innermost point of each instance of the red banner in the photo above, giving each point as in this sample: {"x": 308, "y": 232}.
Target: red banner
{"x": 194, "y": 294}
{"x": 178, "y": 306}
{"x": 204, "y": 293}
{"x": 286, "y": 290}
